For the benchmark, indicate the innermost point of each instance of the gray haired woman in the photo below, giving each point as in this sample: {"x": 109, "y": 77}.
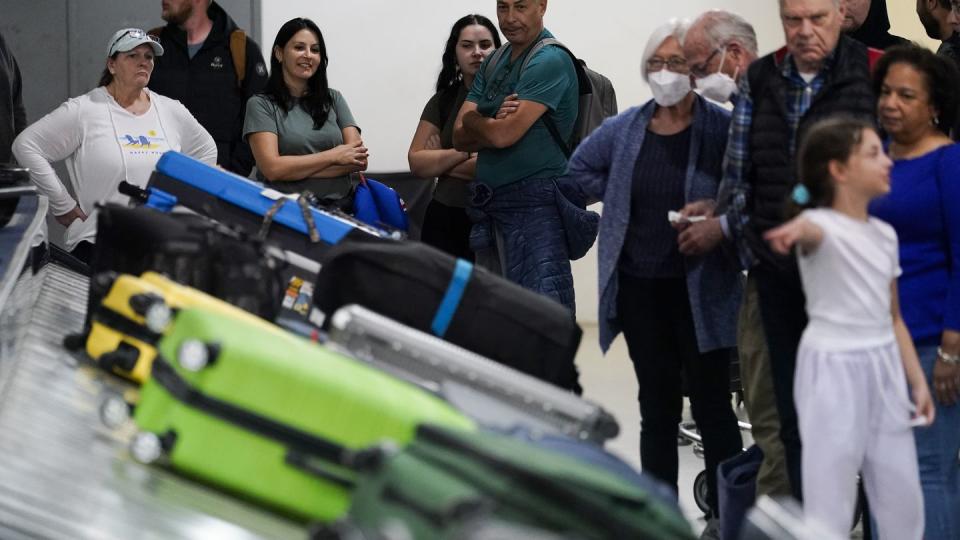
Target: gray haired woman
{"x": 676, "y": 312}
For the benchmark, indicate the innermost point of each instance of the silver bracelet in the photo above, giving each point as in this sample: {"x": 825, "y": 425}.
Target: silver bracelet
{"x": 952, "y": 359}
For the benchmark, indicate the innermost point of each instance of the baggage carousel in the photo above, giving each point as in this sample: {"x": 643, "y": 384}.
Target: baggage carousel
{"x": 63, "y": 472}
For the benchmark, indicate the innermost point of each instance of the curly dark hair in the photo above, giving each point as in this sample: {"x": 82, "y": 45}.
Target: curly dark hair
{"x": 317, "y": 100}
{"x": 940, "y": 76}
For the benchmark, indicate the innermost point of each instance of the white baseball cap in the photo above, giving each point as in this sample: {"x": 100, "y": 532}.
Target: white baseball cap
{"x": 131, "y": 38}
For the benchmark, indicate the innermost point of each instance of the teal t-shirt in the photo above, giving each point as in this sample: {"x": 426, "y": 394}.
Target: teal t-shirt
{"x": 296, "y": 137}
{"x": 550, "y": 79}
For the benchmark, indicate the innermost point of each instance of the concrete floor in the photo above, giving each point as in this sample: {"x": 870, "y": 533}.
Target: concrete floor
{"x": 610, "y": 381}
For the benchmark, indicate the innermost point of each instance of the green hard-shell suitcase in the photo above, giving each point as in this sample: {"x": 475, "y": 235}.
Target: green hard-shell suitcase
{"x": 447, "y": 483}
{"x": 272, "y": 416}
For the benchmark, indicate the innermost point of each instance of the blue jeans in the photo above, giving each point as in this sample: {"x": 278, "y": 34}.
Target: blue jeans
{"x": 937, "y": 448}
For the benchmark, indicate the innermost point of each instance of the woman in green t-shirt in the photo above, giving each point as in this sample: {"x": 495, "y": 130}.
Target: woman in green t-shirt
{"x": 446, "y": 225}
{"x": 301, "y": 131}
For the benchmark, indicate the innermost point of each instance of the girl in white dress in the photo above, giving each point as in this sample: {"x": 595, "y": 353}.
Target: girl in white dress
{"x": 856, "y": 358}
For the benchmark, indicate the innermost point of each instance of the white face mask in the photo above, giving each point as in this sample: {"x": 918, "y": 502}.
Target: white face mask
{"x": 718, "y": 86}
{"x": 669, "y": 88}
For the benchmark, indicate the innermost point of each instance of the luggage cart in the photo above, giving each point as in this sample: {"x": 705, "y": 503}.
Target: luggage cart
{"x": 690, "y": 435}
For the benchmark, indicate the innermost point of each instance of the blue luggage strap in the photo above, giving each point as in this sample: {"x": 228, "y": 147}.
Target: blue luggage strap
{"x": 451, "y": 300}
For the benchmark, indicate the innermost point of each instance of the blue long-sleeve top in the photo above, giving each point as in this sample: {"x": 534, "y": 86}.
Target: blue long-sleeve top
{"x": 924, "y": 207}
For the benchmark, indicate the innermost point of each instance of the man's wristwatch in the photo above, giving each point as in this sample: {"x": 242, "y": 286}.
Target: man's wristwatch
{"x": 952, "y": 359}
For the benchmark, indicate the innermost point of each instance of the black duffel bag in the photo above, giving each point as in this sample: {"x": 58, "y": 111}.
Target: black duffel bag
{"x": 468, "y": 306}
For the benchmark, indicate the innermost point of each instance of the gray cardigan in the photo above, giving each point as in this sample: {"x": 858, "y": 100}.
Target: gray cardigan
{"x": 603, "y": 167}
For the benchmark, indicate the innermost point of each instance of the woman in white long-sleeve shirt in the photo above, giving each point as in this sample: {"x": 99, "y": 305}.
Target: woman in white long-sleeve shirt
{"x": 115, "y": 132}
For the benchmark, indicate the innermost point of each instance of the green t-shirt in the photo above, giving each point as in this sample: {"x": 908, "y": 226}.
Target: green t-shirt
{"x": 450, "y": 191}
{"x": 550, "y": 79}
{"x": 296, "y": 137}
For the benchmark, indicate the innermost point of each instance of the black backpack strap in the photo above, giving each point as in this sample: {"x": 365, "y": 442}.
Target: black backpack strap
{"x": 555, "y": 133}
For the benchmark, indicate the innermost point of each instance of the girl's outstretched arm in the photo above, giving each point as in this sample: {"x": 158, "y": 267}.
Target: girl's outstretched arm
{"x": 798, "y": 231}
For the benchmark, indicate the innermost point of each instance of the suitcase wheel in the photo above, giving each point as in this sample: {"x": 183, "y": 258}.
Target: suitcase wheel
{"x": 155, "y": 312}
{"x": 700, "y": 492}
{"x": 114, "y": 411}
{"x": 146, "y": 447}
{"x": 195, "y": 355}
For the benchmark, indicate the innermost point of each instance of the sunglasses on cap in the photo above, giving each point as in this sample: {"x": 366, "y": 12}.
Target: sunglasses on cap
{"x": 135, "y": 33}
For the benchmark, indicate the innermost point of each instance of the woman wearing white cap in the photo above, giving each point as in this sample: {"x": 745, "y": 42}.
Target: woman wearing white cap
{"x": 115, "y": 132}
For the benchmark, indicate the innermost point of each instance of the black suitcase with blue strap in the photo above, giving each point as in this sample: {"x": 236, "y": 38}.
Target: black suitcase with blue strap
{"x": 426, "y": 289}
{"x": 258, "y": 211}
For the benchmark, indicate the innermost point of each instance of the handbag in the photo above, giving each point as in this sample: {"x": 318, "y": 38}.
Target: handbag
{"x": 377, "y": 204}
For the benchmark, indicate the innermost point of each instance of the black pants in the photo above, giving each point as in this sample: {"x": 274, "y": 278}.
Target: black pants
{"x": 658, "y": 326}
{"x": 447, "y": 228}
{"x": 782, "y": 309}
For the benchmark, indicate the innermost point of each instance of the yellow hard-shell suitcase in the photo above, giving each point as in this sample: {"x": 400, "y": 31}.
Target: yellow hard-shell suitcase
{"x": 133, "y": 316}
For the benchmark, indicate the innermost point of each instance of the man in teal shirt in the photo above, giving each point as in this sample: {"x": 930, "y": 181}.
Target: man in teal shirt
{"x": 519, "y": 229}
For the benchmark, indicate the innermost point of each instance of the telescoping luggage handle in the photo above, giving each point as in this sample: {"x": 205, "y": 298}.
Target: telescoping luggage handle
{"x": 304, "y": 450}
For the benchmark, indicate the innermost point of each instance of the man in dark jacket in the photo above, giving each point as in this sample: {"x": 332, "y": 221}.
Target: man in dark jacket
{"x": 198, "y": 69}
{"x": 867, "y": 21}
{"x": 13, "y": 117}
{"x": 820, "y": 73}
{"x": 937, "y": 18}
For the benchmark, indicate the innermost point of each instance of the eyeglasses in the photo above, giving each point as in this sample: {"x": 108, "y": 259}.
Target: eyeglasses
{"x": 700, "y": 70}
{"x": 955, "y": 4}
{"x": 675, "y": 63}
{"x": 135, "y": 33}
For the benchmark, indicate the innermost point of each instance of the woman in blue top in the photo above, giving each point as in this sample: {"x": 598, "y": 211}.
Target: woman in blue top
{"x": 916, "y": 108}
{"x": 674, "y": 311}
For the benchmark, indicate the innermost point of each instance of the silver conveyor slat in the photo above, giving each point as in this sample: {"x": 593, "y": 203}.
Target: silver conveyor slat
{"x": 63, "y": 474}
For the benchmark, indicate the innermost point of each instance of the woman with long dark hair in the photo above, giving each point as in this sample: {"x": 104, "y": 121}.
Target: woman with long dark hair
{"x": 446, "y": 225}
{"x": 301, "y": 131}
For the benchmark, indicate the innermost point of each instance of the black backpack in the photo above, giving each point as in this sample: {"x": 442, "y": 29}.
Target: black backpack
{"x": 597, "y": 97}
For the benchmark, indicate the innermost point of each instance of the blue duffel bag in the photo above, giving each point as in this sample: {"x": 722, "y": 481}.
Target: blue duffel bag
{"x": 737, "y": 490}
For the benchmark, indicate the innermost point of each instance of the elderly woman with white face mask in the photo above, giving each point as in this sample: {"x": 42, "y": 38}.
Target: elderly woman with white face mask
{"x": 675, "y": 311}
{"x": 115, "y": 132}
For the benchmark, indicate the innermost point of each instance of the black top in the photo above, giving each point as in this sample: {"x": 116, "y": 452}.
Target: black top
{"x": 847, "y": 90}
{"x": 206, "y": 84}
{"x": 875, "y": 30}
{"x": 650, "y": 248}
{"x": 13, "y": 118}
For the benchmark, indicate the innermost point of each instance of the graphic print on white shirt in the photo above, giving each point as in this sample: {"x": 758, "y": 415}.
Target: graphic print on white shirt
{"x": 142, "y": 142}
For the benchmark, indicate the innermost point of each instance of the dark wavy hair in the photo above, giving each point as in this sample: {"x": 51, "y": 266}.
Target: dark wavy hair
{"x": 316, "y": 101}
{"x": 450, "y": 76}
{"x": 939, "y": 74}
{"x": 833, "y": 139}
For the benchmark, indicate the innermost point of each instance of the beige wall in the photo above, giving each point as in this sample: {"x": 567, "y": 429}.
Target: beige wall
{"x": 385, "y": 55}
{"x": 904, "y": 22}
